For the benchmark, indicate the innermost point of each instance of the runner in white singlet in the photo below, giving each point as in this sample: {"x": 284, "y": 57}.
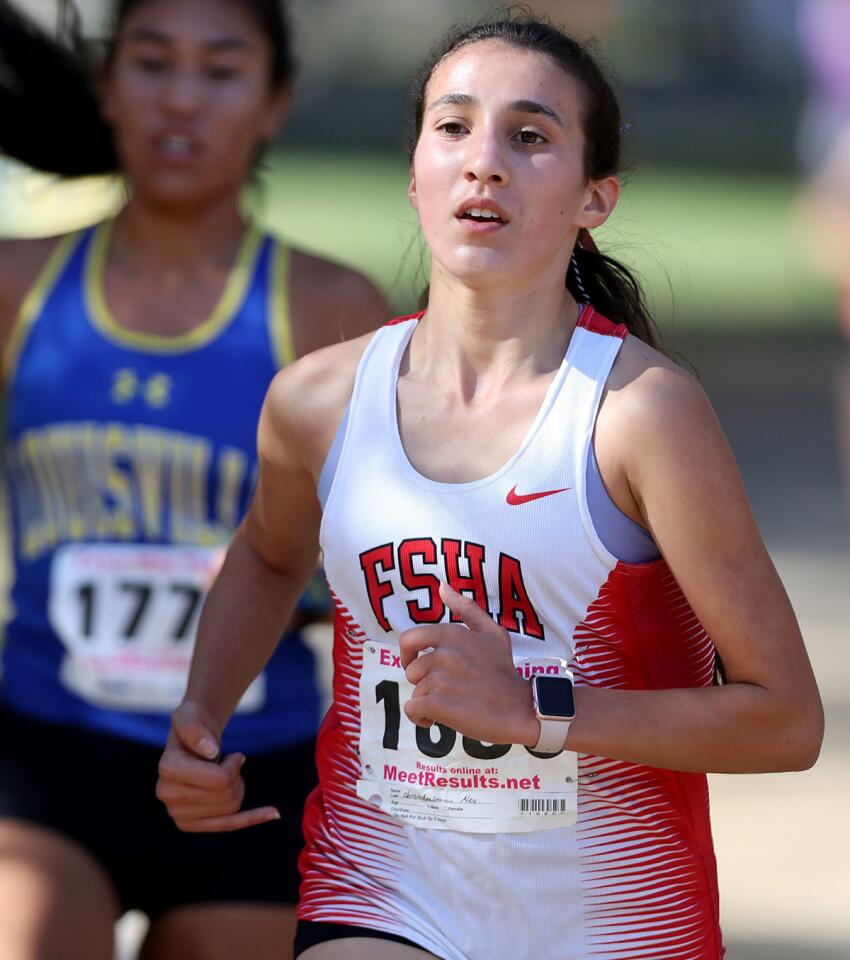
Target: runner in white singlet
{"x": 444, "y": 465}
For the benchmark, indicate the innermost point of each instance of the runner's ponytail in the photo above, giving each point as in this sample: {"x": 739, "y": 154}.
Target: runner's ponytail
{"x": 49, "y": 114}
{"x": 611, "y": 288}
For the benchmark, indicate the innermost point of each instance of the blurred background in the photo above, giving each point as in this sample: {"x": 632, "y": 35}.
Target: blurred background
{"x": 736, "y": 215}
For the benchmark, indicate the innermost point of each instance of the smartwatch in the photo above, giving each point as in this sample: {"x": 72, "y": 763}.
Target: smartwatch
{"x": 554, "y": 707}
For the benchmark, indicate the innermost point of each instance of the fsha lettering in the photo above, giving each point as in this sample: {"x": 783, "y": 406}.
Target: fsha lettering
{"x": 458, "y": 563}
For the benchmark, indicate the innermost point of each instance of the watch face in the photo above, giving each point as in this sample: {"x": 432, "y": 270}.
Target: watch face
{"x": 555, "y": 697}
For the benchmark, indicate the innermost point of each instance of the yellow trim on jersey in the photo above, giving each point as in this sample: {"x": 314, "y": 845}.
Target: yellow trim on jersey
{"x": 219, "y": 319}
{"x": 280, "y": 316}
{"x": 34, "y": 301}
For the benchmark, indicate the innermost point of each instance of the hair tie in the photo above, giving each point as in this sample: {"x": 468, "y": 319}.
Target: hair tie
{"x": 577, "y": 274}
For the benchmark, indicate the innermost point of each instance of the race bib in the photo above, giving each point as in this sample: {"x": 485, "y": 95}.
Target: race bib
{"x": 438, "y": 779}
{"x": 127, "y": 615}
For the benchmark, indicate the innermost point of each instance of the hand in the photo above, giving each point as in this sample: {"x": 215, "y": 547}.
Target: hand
{"x": 203, "y": 796}
{"x": 467, "y": 679}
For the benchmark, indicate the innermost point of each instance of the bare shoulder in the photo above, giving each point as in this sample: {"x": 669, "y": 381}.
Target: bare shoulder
{"x": 307, "y": 399}
{"x": 21, "y": 261}
{"x": 646, "y": 390}
{"x": 654, "y": 416}
{"x": 331, "y": 302}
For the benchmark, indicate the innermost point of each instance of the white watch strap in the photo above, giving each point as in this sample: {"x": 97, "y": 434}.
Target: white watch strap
{"x": 553, "y": 733}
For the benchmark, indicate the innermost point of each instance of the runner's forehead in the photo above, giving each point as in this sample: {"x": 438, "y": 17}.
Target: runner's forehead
{"x": 215, "y": 25}
{"x": 492, "y": 73}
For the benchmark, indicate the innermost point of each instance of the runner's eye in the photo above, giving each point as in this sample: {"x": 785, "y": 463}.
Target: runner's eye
{"x": 530, "y": 137}
{"x": 151, "y": 64}
{"x": 221, "y": 72}
{"x": 451, "y": 128}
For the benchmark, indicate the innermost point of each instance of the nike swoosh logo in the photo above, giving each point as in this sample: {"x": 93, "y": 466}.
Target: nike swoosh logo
{"x": 517, "y": 499}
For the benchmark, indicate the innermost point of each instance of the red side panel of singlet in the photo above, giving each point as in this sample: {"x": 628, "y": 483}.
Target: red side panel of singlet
{"x": 647, "y": 856}
{"x": 352, "y": 850}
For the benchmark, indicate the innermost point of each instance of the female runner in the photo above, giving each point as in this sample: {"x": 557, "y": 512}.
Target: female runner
{"x": 137, "y": 354}
{"x": 528, "y": 515}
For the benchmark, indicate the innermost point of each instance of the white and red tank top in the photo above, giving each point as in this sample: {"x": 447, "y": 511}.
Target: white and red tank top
{"x": 475, "y": 850}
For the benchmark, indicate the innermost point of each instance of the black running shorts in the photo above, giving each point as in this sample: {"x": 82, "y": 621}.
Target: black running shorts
{"x": 99, "y": 791}
{"x": 310, "y": 934}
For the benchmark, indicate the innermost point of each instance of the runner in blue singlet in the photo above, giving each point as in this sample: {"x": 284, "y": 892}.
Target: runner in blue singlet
{"x": 136, "y": 355}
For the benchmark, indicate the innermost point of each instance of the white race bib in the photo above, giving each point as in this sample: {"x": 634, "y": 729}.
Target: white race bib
{"x": 439, "y": 780}
{"x": 127, "y": 615}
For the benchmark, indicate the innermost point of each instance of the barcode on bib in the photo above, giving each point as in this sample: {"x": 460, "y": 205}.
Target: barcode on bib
{"x": 539, "y": 805}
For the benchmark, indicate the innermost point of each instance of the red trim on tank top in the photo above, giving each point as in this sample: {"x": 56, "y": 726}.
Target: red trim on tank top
{"x": 589, "y": 319}
{"x": 410, "y": 316}
{"x": 596, "y": 323}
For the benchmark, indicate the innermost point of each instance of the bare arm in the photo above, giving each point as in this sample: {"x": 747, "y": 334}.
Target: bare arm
{"x": 21, "y": 261}
{"x": 686, "y": 485}
{"x": 265, "y": 570}
{"x": 331, "y": 303}
{"x": 274, "y": 551}
{"x": 664, "y": 449}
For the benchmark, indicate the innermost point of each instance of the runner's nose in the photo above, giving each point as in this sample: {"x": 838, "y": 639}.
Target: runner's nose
{"x": 485, "y": 160}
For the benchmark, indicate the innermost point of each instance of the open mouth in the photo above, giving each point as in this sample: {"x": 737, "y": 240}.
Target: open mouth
{"x": 480, "y": 215}
{"x": 176, "y": 146}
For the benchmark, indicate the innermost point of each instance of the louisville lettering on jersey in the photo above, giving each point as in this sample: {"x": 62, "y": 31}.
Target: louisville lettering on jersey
{"x": 418, "y": 565}
{"x": 86, "y": 481}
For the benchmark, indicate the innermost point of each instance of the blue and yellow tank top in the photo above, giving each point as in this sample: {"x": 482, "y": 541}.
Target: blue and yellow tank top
{"x": 131, "y": 459}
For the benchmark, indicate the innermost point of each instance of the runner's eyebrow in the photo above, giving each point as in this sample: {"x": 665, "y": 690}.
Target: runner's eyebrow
{"x": 452, "y": 99}
{"x": 149, "y": 35}
{"x": 534, "y": 106}
{"x": 517, "y": 106}
{"x": 230, "y": 43}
